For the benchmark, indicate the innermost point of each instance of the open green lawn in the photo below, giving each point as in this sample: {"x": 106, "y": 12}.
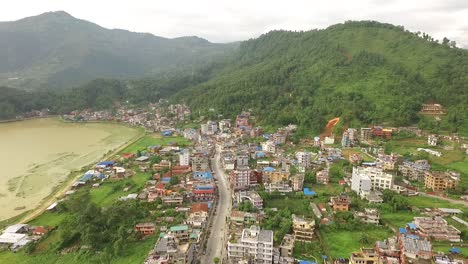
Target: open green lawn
{"x": 135, "y": 252}
{"x": 307, "y": 251}
{"x": 398, "y": 219}
{"x": 340, "y": 244}
{"x": 48, "y": 219}
{"x": 155, "y": 139}
{"x": 429, "y": 202}
{"x": 445, "y": 247}
{"x": 347, "y": 152}
{"x": 299, "y": 206}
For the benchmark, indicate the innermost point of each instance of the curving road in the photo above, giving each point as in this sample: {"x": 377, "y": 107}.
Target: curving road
{"x": 218, "y": 233}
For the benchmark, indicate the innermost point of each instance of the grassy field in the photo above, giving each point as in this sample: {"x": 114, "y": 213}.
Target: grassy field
{"x": 48, "y": 219}
{"x": 429, "y": 202}
{"x": 347, "y": 152}
{"x": 299, "y": 206}
{"x": 398, "y": 219}
{"x": 340, "y": 244}
{"x": 307, "y": 251}
{"x": 155, "y": 139}
{"x": 445, "y": 247}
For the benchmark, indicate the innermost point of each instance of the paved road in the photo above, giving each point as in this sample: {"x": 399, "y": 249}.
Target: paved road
{"x": 217, "y": 239}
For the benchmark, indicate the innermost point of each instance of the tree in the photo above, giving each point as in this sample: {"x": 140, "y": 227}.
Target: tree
{"x": 216, "y": 260}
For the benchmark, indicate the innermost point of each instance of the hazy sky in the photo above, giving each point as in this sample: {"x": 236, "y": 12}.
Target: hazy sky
{"x": 224, "y": 21}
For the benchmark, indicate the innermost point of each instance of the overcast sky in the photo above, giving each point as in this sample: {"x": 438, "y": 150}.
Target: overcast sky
{"x": 225, "y": 21}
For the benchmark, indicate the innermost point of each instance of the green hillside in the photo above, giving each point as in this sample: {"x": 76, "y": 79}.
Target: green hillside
{"x": 56, "y": 50}
{"x": 365, "y": 72}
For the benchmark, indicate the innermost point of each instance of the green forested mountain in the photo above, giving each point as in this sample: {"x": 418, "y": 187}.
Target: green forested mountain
{"x": 56, "y": 50}
{"x": 365, "y": 72}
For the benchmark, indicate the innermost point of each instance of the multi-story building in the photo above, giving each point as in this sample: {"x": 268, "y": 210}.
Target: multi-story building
{"x": 241, "y": 178}
{"x": 432, "y": 140}
{"x": 379, "y": 180}
{"x": 297, "y": 182}
{"x": 271, "y": 175}
{"x": 225, "y": 125}
{"x": 251, "y": 196}
{"x": 180, "y": 232}
{"x": 242, "y": 120}
{"x": 199, "y": 163}
{"x": 436, "y": 228}
{"x": 439, "y": 181}
{"x": 184, "y": 157}
{"x": 304, "y": 159}
{"x": 413, "y": 249}
{"x": 349, "y": 138}
{"x": 244, "y": 218}
{"x": 415, "y": 171}
{"x": 323, "y": 176}
{"x": 366, "y": 134}
{"x": 242, "y": 160}
{"x": 210, "y": 128}
{"x": 369, "y": 216}
{"x": 355, "y": 158}
{"x": 365, "y": 256}
{"x": 269, "y": 146}
{"x": 145, "y": 228}
{"x": 340, "y": 202}
{"x": 388, "y": 250}
{"x": 303, "y": 228}
{"x": 254, "y": 245}
{"x": 388, "y": 162}
{"x": 282, "y": 187}
{"x": 279, "y": 137}
{"x": 287, "y": 246}
{"x": 204, "y": 192}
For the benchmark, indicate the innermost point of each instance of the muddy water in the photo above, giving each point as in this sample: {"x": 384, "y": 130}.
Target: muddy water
{"x": 37, "y": 155}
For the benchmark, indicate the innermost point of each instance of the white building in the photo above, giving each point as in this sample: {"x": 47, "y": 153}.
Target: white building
{"x": 210, "y": 128}
{"x": 225, "y": 124}
{"x": 304, "y": 159}
{"x": 432, "y": 140}
{"x": 242, "y": 161}
{"x": 379, "y": 180}
{"x": 254, "y": 244}
{"x": 269, "y": 146}
{"x": 184, "y": 157}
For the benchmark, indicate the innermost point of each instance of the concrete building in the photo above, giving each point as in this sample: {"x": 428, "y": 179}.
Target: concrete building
{"x": 268, "y": 146}
{"x": 297, "y": 182}
{"x": 365, "y": 256}
{"x": 340, "y": 202}
{"x": 287, "y": 246}
{"x": 303, "y": 228}
{"x": 379, "y": 180}
{"x": 225, "y": 125}
{"x": 439, "y": 181}
{"x": 240, "y": 178}
{"x": 323, "y": 176}
{"x": 432, "y": 140}
{"x": 282, "y": 187}
{"x": 415, "y": 171}
{"x": 271, "y": 175}
{"x": 210, "y": 128}
{"x": 252, "y": 196}
{"x": 349, "y": 138}
{"x": 304, "y": 159}
{"x": 255, "y": 245}
{"x": 366, "y": 134}
{"x": 242, "y": 160}
{"x": 184, "y": 157}
{"x": 437, "y": 228}
{"x": 369, "y": 216}
{"x": 199, "y": 163}
{"x": 414, "y": 249}
{"x": 388, "y": 162}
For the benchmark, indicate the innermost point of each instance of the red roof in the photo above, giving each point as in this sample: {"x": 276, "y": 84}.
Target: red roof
{"x": 181, "y": 168}
{"x": 203, "y": 192}
{"x": 127, "y": 155}
{"x": 160, "y": 185}
{"x": 341, "y": 182}
{"x": 39, "y": 230}
{"x": 199, "y": 207}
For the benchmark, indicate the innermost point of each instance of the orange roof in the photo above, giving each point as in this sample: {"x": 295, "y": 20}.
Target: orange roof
{"x": 199, "y": 207}
{"x": 39, "y": 230}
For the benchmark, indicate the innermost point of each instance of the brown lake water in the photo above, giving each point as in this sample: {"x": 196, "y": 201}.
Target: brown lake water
{"x": 38, "y": 155}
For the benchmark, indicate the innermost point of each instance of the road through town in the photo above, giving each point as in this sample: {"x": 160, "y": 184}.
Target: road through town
{"x": 218, "y": 233}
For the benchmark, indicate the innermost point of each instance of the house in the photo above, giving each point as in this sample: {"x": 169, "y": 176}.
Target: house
{"x": 439, "y": 181}
{"x": 388, "y": 162}
{"x": 414, "y": 249}
{"x": 432, "y": 140}
{"x": 180, "y": 232}
{"x": 297, "y": 182}
{"x": 303, "y": 228}
{"x": 388, "y": 250}
{"x": 355, "y": 158}
{"x": 251, "y": 196}
{"x": 282, "y": 187}
{"x": 366, "y": 134}
{"x": 254, "y": 244}
{"x": 184, "y": 157}
{"x": 199, "y": 162}
{"x": 15, "y": 236}
{"x": 369, "y": 216}
{"x": 436, "y": 228}
{"x": 340, "y": 202}
{"x": 287, "y": 246}
{"x": 271, "y": 175}
{"x": 365, "y": 179}
{"x": 145, "y": 229}
{"x": 161, "y": 165}
{"x": 365, "y": 256}
{"x": 322, "y": 176}
{"x": 198, "y": 214}
{"x": 241, "y": 178}
{"x": 349, "y": 138}
{"x": 416, "y": 170}
{"x": 304, "y": 159}
{"x": 244, "y": 218}
{"x": 39, "y": 231}
{"x": 204, "y": 192}
{"x": 268, "y": 146}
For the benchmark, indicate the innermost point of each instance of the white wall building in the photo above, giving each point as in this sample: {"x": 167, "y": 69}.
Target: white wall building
{"x": 254, "y": 244}
{"x": 304, "y": 159}
{"x": 377, "y": 178}
{"x": 184, "y": 157}
{"x": 269, "y": 146}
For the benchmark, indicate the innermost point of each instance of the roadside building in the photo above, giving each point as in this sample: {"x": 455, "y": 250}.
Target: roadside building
{"x": 255, "y": 245}
{"x": 199, "y": 162}
{"x": 184, "y": 157}
{"x": 271, "y": 175}
{"x": 241, "y": 178}
{"x": 181, "y": 232}
{"x": 251, "y": 196}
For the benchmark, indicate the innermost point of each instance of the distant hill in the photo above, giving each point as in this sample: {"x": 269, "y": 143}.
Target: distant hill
{"x": 364, "y": 72}
{"x": 56, "y": 50}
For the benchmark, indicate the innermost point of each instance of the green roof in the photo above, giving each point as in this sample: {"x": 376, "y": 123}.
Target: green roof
{"x": 179, "y": 228}
{"x": 162, "y": 234}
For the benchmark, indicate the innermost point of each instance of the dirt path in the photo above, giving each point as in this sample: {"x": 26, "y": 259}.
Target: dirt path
{"x": 69, "y": 182}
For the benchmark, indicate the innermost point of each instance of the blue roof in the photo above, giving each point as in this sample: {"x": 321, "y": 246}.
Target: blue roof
{"x": 309, "y": 192}
{"x": 154, "y": 146}
{"x": 412, "y": 226}
{"x": 106, "y": 163}
{"x": 205, "y": 174}
{"x": 86, "y": 177}
{"x": 204, "y": 187}
{"x": 412, "y": 236}
{"x": 167, "y": 133}
{"x": 269, "y": 169}
{"x": 260, "y": 154}
{"x": 455, "y": 250}
{"x": 402, "y": 230}
{"x": 165, "y": 180}
{"x": 258, "y": 148}
{"x": 306, "y": 262}
{"x": 324, "y": 257}
{"x": 210, "y": 204}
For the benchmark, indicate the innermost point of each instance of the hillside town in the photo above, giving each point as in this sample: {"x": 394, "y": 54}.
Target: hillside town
{"x": 227, "y": 191}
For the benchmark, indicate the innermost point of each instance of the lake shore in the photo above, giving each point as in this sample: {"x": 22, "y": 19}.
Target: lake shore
{"x": 61, "y": 186}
